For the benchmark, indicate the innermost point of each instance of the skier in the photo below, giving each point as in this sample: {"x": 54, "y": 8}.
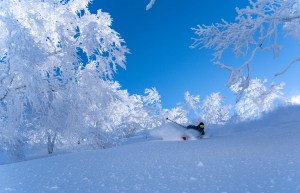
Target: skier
{"x": 199, "y": 128}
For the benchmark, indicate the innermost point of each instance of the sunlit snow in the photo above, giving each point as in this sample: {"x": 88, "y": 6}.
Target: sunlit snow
{"x": 257, "y": 156}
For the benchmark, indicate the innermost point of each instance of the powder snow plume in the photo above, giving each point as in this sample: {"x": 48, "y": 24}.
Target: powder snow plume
{"x": 171, "y": 132}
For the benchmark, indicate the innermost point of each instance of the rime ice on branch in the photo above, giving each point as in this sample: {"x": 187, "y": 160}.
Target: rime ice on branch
{"x": 150, "y": 4}
{"x": 255, "y": 28}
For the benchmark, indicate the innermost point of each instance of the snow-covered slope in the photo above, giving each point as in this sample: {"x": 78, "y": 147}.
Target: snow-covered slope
{"x": 260, "y": 156}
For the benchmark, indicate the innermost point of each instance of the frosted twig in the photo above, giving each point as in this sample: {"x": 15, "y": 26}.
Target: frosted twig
{"x": 150, "y": 4}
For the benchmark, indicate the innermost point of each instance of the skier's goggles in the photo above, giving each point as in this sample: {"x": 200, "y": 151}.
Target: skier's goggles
{"x": 201, "y": 126}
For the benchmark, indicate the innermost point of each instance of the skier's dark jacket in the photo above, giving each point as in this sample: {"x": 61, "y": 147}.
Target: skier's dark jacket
{"x": 198, "y": 128}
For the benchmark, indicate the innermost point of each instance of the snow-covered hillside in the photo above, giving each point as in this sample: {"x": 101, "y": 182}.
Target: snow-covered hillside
{"x": 258, "y": 156}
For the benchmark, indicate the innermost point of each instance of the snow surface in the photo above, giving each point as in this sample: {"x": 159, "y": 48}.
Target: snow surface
{"x": 255, "y": 157}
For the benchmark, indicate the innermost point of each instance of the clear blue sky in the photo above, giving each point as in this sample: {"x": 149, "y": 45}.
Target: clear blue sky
{"x": 159, "y": 41}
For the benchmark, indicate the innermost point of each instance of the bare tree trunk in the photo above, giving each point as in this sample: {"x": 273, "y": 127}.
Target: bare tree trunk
{"x": 51, "y": 142}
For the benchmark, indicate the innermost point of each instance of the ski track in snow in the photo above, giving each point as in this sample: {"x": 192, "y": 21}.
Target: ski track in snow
{"x": 254, "y": 160}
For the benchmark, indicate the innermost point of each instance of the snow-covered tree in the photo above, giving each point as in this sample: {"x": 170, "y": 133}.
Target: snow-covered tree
{"x": 258, "y": 99}
{"x": 213, "y": 112}
{"x": 192, "y": 103}
{"x": 256, "y": 27}
{"x": 46, "y": 49}
{"x": 210, "y": 110}
{"x": 152, "y": 104}
{"x": 178, "y": 114}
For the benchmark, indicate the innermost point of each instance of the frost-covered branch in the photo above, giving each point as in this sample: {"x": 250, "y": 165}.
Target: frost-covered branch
{"x": 150, "y": 4}
{"x": 253, "y": 29}
{"x": 291, "y": 63}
